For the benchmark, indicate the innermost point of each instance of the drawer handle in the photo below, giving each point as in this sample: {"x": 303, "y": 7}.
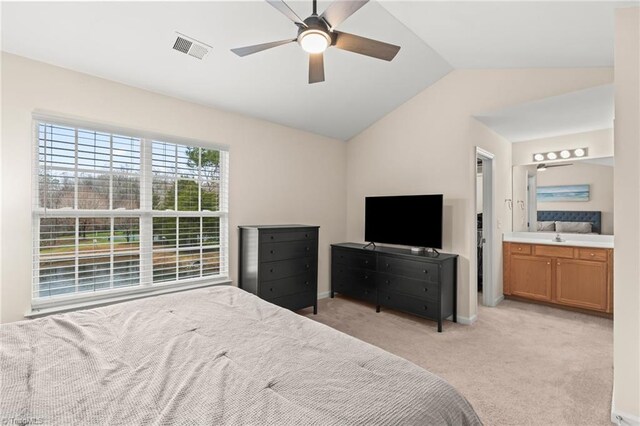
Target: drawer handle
{"x": 307, "y": 248}
{"x": 306, "y": 266}
{"x": 271, "y": 270}
{"x": 426, "y": 289}
{"x": 592, "y": 254}
{"x": 272, "y": 237}
{"x": 558, "y": 263}
{"x": 548, "y": 263}
{"x": 388, "y": 297}
{"x": 306, "y": 235}
{"x": 271, "y": 289}
{"x": 366, "y": 262}
{"x": 519, "y": 248}
{"x": 388, "y": 282}
{"x": 388, "y": 265}
{"x": 271, "y": 251}
{"x": 306, "y": 283}
{"x": 366, "y": 277}
{"x": 425, "y": 307}
{"x": 425, "y": 271}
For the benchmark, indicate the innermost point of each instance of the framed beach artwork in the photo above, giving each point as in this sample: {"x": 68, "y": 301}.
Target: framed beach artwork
{"x": 548, "y": 194}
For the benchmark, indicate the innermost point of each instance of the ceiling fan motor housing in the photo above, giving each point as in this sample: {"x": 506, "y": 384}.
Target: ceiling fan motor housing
{"x": 318, "y": 26}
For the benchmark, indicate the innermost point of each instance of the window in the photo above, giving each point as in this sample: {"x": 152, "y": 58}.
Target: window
{"x": 120, "y": 212}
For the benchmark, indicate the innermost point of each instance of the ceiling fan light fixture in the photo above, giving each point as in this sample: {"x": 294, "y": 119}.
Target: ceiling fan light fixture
{"x": 314, "y": 41}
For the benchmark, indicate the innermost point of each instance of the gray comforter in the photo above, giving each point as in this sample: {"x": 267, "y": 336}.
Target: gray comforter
{"x": 211, "y": 356}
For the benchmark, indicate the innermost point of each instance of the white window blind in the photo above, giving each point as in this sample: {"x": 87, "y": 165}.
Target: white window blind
{"x": 116, "y": 213}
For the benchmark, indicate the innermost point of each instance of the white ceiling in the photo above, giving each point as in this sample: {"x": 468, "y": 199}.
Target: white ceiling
{"x": 130, "y": 42}
{"x": 575, "y": 112}
{"x": 514, "y": 34}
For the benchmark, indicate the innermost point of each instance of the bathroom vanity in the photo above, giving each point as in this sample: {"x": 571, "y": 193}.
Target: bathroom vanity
{"x": 576, "y": 272}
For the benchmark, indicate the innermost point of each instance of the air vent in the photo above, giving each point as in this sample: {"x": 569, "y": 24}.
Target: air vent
{"x": 191, "y": 46}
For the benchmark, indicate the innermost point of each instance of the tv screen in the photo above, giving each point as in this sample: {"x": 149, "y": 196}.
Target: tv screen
{"x": 410, "y": 220}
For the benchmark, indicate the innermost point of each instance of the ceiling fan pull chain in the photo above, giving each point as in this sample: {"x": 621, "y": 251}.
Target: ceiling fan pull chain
{"x": 315, "y": 7}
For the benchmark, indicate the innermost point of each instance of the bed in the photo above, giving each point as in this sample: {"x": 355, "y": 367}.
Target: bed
{"x": 217, "y": 355}
{"x": 570, "y": 220}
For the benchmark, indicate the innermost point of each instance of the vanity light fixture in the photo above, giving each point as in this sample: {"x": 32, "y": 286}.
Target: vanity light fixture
{"x": 564, "y": 154}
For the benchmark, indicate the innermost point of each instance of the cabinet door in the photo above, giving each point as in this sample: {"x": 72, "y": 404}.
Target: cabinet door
{"x": 582, "y": 283}
{"x": 531, "y": 277}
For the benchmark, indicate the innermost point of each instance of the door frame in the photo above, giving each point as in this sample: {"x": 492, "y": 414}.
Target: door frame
{"x": 488, "y": 223}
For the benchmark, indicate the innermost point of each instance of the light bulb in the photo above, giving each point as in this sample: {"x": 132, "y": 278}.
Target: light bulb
{"x": 551, "y": 155}
{"x": 538, "y": 157}
{"x": 565, "y": 154}
{"x": 314, "y": 42}
{"x": 579, "y": 152}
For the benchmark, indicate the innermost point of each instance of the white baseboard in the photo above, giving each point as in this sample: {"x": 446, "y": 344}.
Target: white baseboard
{"x": 467, "y": 320}
{"x": 324, "y": 294}
{"x": 621, "y": 418}
{"x": 498, "y": 300}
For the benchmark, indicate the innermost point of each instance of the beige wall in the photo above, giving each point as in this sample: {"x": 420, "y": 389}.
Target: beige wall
{"x": 599, "y": 142}
{"x": 277, "y": 174}
{"x": 600, "y": 179}
{"x": 427, "y": 145}
{"x": 626, "y": 302}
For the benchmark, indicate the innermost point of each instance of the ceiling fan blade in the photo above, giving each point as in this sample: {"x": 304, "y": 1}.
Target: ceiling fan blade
{"x": 286, "y": 11}
{"x": 248, "y": 50}
{"x": 366, "y": 46}
{"x": 340, "y": 10}
{"x": 316, "y": 68}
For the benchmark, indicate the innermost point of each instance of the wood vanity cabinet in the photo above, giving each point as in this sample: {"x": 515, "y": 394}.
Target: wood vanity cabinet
{"x": 578, "y": 277}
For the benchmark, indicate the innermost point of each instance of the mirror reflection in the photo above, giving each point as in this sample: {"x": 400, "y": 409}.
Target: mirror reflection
{"x": 564, "y": 197}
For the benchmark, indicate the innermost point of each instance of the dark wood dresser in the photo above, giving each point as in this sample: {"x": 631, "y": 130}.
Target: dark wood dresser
{"x": 279, "y": 263}
{"x": 420, "y": 284}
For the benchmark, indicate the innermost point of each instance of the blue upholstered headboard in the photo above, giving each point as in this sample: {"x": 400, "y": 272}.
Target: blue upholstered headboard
{"x": 573, "y": 216}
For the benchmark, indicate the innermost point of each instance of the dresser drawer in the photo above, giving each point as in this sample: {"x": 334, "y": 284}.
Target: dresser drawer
{"x": 554, "y": 251}
{"x": 586, "y": 253}
{"x": 270, "y": 271}
{"x": 415, "y": 288}
{"x": 354, "y": 289}
{"x": 423, "y": 308}
{"x": 520, "y": 248}
{"x": 270, "y": 252}
{"x": 297, "y": 235}
{"x": 296, "y": 301}
{"x": 286, "y": 286}
{"x": 408, "y": 268}
{"x": 355, "y": 259}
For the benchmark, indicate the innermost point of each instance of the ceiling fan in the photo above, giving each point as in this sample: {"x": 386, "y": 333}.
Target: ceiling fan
{"x": 543, "y": 167}
{"x": 317, "y": 33}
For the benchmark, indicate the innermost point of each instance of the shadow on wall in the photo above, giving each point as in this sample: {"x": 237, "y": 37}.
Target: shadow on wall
{"x": 453, "y": 239}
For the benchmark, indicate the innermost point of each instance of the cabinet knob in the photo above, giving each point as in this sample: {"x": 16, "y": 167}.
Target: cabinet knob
{"x": 306, "y": 266}
{"x": 426, "y": 307}
{"x": 388, "y": 297}
{"x": 425, "y": 271}
{"x": 558, "y": 263}
{"x": 271, "y": 270}
{"x": 519, "y": 248}
{"x": 592, "y": 254}
{"x": 307, "y": 248}
{"x": 306, "y": 283}
{"x": 306, "y": 235}
{"x": 271, "y": 237}
{"x": 366, "y": 277}
{"x": 548, "y": 263}
{"x": 366, "y": 262}
{"x": 388, "y": 282}
{"x": 271, "y": 251}
{"x": 426, "y": 289}
{"x": 271, "y": 289}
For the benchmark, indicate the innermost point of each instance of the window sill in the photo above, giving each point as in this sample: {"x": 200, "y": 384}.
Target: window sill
{"x": 94, "y": 302}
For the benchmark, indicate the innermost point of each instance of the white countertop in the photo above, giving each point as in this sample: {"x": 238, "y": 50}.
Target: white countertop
{"x": 574, "y": 240}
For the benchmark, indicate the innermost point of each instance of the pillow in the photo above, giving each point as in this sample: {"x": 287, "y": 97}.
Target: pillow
{"x": 574, "y": 227}
{"x": 546, "y": 226}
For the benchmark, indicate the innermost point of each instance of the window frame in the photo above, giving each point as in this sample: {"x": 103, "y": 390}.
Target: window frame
{"x": 145, "y": 213}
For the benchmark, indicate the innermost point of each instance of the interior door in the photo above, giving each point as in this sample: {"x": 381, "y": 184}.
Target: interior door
{"x": 581, "y": 283}
{"x": 531, "y": 276}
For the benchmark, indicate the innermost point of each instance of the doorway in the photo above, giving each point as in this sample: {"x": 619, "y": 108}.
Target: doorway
{"x": 485, "y": 221}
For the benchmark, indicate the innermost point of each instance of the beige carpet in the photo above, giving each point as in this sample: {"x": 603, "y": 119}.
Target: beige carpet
{"x": 519, "y": 364}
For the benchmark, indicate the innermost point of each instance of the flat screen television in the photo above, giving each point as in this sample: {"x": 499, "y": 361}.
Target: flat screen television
{"x": 409, "y": 220}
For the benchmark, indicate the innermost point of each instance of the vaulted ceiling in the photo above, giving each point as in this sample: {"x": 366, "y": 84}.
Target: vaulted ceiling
{"x": 131, "y": 42}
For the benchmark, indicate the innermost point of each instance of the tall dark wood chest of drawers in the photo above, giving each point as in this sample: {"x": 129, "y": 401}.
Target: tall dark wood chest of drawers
{"x": 279, "y": 263}
{"x": 420, "y": 284}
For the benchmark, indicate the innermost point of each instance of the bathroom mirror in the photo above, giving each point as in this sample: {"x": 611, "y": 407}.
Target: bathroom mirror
{"x": 573, "y": 196}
